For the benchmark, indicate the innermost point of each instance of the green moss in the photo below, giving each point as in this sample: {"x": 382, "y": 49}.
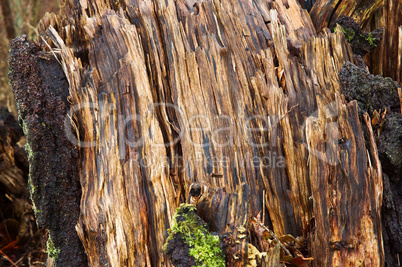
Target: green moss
{"x": 52, "y": 251}
{"x": 349, "y": 34}
{"x": 203, "y": 246}
{"x": 370, "y": 39}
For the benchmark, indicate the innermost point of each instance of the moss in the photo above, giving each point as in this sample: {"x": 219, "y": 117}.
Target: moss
{"x": 203, "y": 246}
{"x": 349, "y": 34}
{"x": 371, "y": 39}
{"x": 51, "y": 250}
{"x": 31, "y": 187}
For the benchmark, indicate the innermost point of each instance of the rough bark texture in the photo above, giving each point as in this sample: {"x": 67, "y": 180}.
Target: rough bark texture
{"x": 41, "y": 89}
{"x": 241, "y": 96}
{"x": 378, "y": 94}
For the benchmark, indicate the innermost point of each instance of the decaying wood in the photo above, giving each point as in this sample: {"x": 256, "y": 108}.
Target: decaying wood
{"x": 240, "y": 96}
{"x": 20, "y": 238}
{"x": 325, "y": 13}
{"x": 387, "y": 59}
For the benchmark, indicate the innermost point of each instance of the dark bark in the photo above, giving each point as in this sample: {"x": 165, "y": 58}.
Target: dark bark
{"x": 41, "y": 89}
{"x": 360, "y": 41}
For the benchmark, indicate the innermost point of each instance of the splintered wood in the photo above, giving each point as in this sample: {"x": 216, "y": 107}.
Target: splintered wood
{"x": 325, "y": 12}
{"x": 226, "y": 93}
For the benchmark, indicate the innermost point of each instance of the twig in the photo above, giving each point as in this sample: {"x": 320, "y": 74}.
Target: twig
{"x": 5, "y": 256}
{"x": 77, "y": 132}
{"x": 51, "y": 50}
{"x": 273, "y": 235}
{"x": 263, "y": 206}
{"x": 400, "y": 97}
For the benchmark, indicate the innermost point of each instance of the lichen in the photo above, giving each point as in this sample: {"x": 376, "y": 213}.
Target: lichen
{"x": 203, "y": 246}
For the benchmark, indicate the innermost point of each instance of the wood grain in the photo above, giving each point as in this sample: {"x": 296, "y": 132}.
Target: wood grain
{"x": 232, "y": 94}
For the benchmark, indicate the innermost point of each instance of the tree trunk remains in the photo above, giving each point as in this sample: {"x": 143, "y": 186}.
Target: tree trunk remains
{"x": 385, "y": 60}
{"x": 325, "y": 13}
{"x": 240, "y": 96}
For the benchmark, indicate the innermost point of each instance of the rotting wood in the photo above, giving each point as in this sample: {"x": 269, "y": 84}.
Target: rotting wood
{"x": 223, "y": 93}
{"x": 324, "y": 13}
{"x": 387, "y": 58}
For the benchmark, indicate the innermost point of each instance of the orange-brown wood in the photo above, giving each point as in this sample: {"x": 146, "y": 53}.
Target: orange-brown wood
{"x": 241, "y": 96}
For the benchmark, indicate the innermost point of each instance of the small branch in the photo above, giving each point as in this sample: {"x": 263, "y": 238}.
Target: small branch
{"x": 273, "y": 235}
{"x": 7, "y": 258}
{"x": 400, "y": 97}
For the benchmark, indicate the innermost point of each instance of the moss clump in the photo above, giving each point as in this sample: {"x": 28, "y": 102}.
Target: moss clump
{"x": 371, "y": 39}
{"x": 349, "y": 34}
{"x": 52, "y": 251}
{"x": 202, "y": 246}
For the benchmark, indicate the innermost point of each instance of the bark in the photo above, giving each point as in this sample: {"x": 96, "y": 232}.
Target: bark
{"x": 53, "y": 160}
{"x": 242, "y": 97}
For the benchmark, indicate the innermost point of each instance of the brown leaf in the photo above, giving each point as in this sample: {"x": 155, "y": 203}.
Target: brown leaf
{"x": 301, "y": 261}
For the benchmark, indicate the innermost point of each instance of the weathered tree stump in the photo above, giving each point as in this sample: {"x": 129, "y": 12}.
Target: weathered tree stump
{"x": 240, "y": 96}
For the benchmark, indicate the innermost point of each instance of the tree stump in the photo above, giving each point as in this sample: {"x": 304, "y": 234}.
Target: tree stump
{"x": 242, "y": 97}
